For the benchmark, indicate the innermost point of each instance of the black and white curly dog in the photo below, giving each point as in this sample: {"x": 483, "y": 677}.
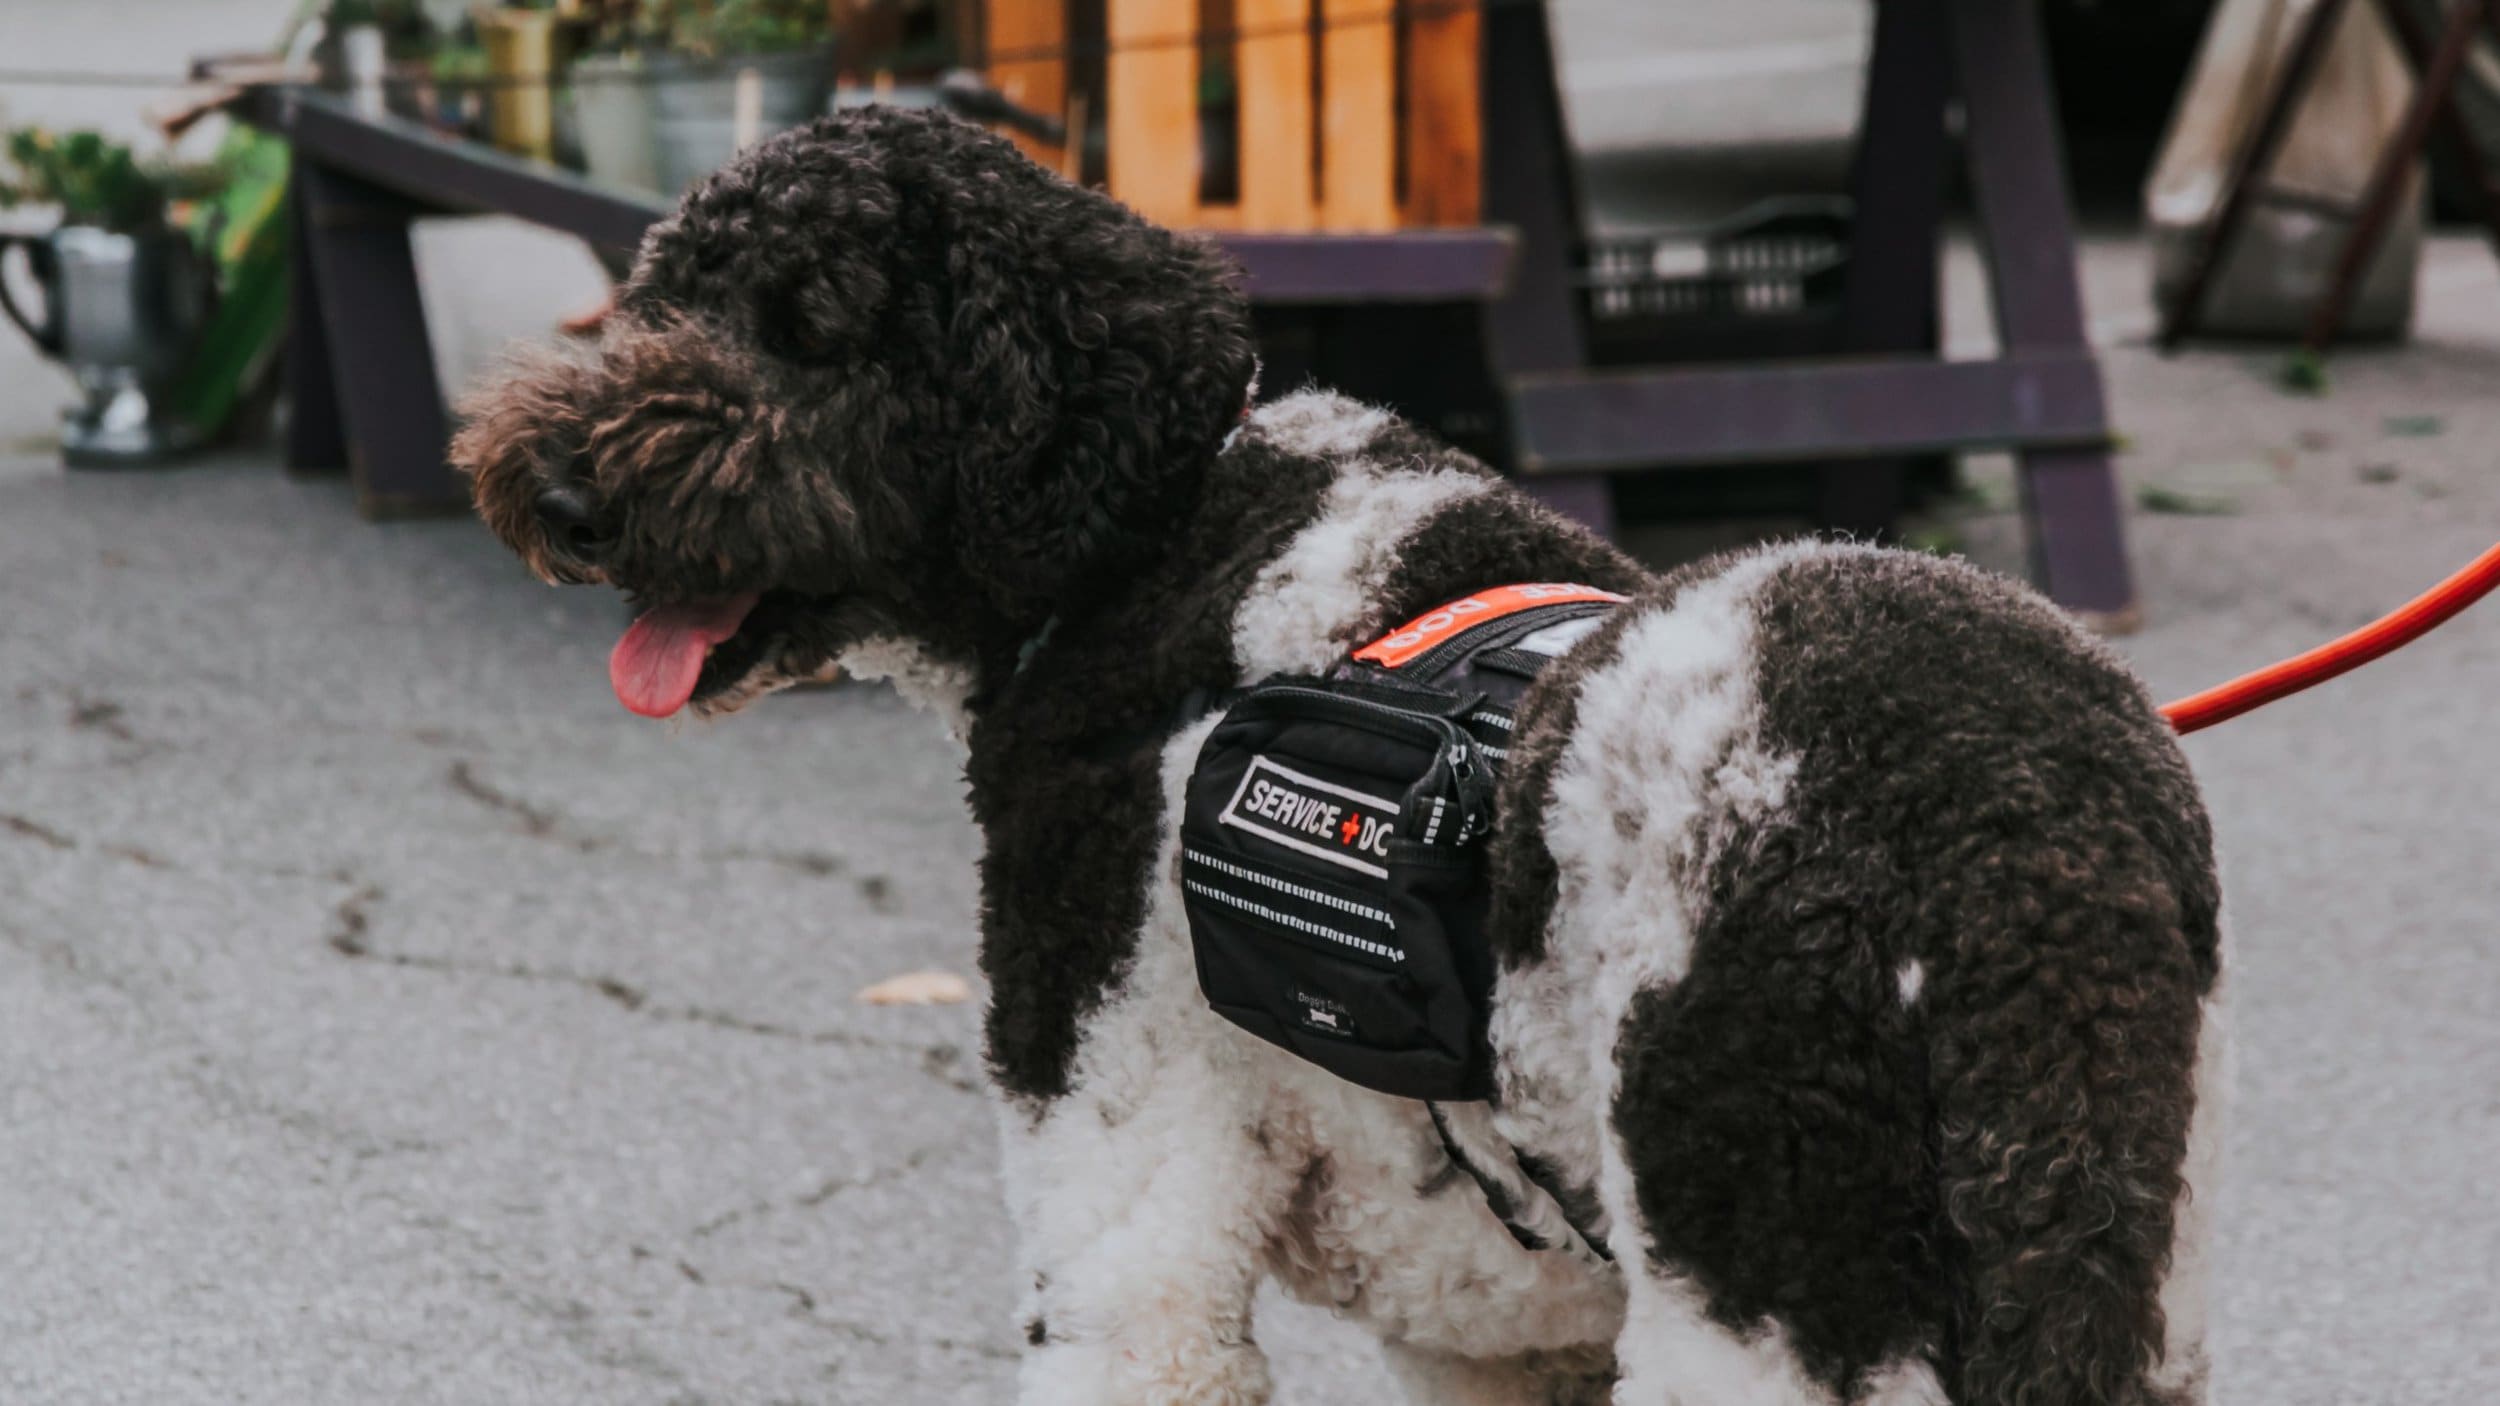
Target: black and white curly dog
{"x": 1855, "y": 914}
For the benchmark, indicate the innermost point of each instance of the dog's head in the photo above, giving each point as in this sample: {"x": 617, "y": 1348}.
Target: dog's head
{"x": 881, "y": 377}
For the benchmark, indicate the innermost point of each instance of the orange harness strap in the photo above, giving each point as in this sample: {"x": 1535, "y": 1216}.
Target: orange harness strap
{"x": 2247, "y": 693}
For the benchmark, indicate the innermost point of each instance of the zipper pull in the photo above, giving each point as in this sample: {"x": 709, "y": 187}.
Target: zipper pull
{"x": 1475, "y": 791}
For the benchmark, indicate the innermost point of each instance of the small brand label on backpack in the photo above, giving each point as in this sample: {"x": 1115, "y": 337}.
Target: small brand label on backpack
{"x": 1346, "y": 827}
{"x": 1322, "y": 1014}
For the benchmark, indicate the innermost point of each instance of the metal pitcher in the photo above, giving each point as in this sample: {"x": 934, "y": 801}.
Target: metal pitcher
{"x": 122, "y": 312}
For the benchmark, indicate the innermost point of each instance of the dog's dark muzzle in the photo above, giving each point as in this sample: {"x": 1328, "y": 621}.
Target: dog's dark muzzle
{"x": 571, "y": 527}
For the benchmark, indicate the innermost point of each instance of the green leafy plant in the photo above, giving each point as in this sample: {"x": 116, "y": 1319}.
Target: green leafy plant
{"x": 460, "y": 63}
{"x": 717, "y": 28}
{"x": 96, "y": 181}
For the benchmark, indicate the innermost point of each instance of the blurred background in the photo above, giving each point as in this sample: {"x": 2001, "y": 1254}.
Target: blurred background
{"x": 385, "y": 1015}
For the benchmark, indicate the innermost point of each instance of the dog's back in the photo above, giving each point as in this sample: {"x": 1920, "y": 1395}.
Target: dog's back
{"x": 1884, "y": 909}
{"x": 1857, "y": 918}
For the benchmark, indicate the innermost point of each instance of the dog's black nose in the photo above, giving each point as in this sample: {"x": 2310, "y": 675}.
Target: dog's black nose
{"x": 569, "y": 523}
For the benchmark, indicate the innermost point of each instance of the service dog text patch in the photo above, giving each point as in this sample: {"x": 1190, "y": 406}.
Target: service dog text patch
{"x": 1339, "y": 824}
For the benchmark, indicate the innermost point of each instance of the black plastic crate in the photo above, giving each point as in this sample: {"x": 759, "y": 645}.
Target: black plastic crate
{"x": 1767, "y": 281}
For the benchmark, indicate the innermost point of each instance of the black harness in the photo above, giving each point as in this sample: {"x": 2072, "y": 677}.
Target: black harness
{"x": 1332, "y": 866}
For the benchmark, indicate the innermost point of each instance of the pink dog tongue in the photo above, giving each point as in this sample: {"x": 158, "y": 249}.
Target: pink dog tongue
{"x": 654, "y": 667}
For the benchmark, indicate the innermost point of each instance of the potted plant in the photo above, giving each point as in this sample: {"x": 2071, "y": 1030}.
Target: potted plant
{"x": 674, "y": 87}
{"x": 94, "y": 181}
{"x": 124, "y": 292}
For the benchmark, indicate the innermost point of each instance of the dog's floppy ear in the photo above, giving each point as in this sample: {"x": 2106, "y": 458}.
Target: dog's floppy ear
{"x": 1100, "y": 361}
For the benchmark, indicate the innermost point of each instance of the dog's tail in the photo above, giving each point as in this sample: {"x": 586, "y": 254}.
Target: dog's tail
{"x": 2064, "y": 1052}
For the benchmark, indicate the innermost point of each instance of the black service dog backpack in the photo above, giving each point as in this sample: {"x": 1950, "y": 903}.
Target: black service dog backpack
{"x": 1332, "y": 842}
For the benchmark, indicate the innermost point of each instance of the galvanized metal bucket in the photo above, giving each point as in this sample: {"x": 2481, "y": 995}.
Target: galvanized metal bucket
{"x": 703, "y": 111}
{"x": 662, "y": 122}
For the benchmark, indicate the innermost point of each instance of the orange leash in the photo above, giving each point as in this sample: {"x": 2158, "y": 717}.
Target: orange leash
{"x": 2417, "y": 618}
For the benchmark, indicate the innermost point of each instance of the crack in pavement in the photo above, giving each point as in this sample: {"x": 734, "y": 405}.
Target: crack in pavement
{"x": 100, "y": 715}
{"x": 145, "y": 859}
{"x": 349, "y": 936}
{"x": 350, "y": 920}
{"x": 61, "y": 840}
{"x": 804, "y": 1304}
{"x": 219, "y": 1082}
{"x": 537, "y": 822}
{"x": 823, "y": 1192}
{"x": 67, "y": 959}
{"x": 212, "y": 1079}
{"x": 575, "y": 1323}
{"x": 35, "y": 830}
{"x": 545, "y": 823}
{"x": 812, "y": 863}
{"x": 944, "y": 1062}
{"x": 876, "y": 1337}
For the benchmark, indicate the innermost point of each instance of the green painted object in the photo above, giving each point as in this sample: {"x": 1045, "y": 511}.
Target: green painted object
{"x": 243, "y": 228}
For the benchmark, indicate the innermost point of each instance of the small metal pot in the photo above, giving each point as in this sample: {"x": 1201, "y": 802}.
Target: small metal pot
{"x": 613, "y": 122}
{"x": 704, "y": 110}
{"x": 661, "y": 122}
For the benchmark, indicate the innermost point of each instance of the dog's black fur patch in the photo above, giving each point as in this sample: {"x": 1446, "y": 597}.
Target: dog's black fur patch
{"x": 1067, "y": 756}
{"x": 1978, "y": 793}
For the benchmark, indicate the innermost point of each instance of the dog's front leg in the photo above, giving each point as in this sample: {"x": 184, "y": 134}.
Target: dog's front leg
{"x": 1144, "y": 1218}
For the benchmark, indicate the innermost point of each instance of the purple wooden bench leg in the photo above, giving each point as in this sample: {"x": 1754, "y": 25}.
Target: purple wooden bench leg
{"x": 2070, "y": 496}
{"x": 1529, "y": 184}
{"x": 1896, "y": 188}
{"x": 365, "y": 291}
{"x": 316, "y": 443}
{"x": 1587, "y": 497}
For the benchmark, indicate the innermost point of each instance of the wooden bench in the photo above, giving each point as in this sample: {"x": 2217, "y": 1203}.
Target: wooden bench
{"x": 368, "y": 399}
